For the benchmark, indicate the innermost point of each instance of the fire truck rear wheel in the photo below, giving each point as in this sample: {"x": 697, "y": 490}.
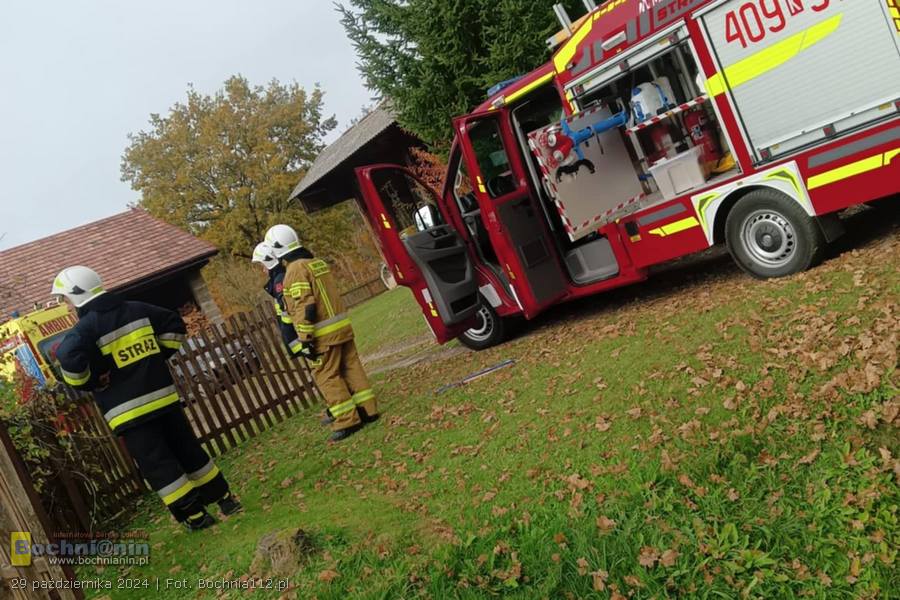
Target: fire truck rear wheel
{"x": 770, "y": 235}
{"x": 489, "y": 329}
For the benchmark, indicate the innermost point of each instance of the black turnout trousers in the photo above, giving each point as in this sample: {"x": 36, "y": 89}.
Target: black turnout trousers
{"x": 173, "y": 462}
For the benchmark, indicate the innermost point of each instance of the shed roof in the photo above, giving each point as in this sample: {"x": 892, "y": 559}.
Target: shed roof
{"x": 127, "y": 250}
{"x": 356, "y": 136}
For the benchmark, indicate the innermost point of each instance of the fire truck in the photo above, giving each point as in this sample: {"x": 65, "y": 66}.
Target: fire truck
{"x": 657, "y": 129}
{"x": 28, "y": 343}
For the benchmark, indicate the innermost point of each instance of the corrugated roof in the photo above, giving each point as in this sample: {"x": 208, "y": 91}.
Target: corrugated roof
{"x": 124, "y": 249}
{"x": 343, "y": 148}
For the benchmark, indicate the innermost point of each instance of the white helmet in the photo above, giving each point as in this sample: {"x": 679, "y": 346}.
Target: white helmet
{"x": 283, "y": 239}
{"x": 264, "y": 254}
{"x": 79, "y": 284}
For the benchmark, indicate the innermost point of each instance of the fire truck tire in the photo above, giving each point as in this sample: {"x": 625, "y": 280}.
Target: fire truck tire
{"x": 770, "y": 235}
{"x": 488, "y": 331}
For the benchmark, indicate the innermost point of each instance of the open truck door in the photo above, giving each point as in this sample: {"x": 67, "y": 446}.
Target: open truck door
{"x": 424, "y": 252}
{"x": 509, "y": 210}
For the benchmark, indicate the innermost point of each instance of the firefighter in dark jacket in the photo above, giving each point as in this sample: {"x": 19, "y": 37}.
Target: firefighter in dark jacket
{"x": 118, "y": 350}
{"x": 265, "y": 255}
{"x": 325, "y": 332}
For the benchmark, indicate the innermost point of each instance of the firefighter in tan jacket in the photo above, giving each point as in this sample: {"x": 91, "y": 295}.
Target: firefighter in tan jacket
{"x": 324, "y": 329}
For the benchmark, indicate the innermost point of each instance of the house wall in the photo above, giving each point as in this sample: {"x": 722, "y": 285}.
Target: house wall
{"x": 202, "y": 297}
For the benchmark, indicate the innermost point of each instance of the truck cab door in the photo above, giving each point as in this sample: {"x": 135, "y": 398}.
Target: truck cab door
{"x": 510, "y": 212}
{"x": 424, "y": 252}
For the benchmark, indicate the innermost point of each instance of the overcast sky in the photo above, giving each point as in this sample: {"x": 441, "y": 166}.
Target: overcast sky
{"x": 77, "y": 76}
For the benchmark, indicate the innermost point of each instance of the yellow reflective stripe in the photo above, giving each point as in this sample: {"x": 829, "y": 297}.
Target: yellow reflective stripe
{"x": 676, "y": 227}
{"x": 770, "y": 58}
{"x": 318, "y": 268}
{"x": 207, "y": 477}
{"x": 855, "y": 168}
{"x": 342, "y": 408}
{"x": 76, "y": 378}
{"x": 363, "y": 396}
{"x": 174, "y": 345}
{"x": 286, "y": 319}
{"x": 127, "y": 339}
{"x": 299, "y": 288}
{"x": 320, "y": 331}
{"x": 325, "y": 299}
{"x": 304, "y": 328}
{"x": 142, "y": 410}
{"x": 178, "y": 493}
{"x": 296, "y": 346}
{"x": 527, "y": 88}
{"x": 567, "y": 52}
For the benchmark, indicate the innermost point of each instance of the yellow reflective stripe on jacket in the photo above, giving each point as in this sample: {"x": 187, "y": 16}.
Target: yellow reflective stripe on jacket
{"x": 171, "y": 340}
{"x": 299, "y": 288}
{"x": 319, "y": 268}
{"x": 76, "y": 378}
{"x": 175, "y": 490}
{"x": 296, "y": 346}
{"x": 141, "y": 406}
{"x": 286, "y": 318}
{"x": 331, "y": 325}
{"x": 129, "y": 343}
{"x": 304, "y": 328}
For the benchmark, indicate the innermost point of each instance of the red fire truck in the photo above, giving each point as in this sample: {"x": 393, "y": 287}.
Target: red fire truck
{"x": 658, "y": 129}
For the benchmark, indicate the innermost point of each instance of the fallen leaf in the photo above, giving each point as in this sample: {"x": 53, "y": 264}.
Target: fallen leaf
{"x": 668, "y": 557}
{"x": 582, "y": 566}
{"x": 605, "y": 524}
{"x": 328, "y": 575}
{"x": 648, "y": 556}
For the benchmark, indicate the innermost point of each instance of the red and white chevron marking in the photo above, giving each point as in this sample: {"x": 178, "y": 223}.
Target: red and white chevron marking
{"x": 680, "y": 108}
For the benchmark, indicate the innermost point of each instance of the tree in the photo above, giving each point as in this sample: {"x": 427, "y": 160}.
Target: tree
{"x": 223, "y": 166}
{"x": 435, "y": 59}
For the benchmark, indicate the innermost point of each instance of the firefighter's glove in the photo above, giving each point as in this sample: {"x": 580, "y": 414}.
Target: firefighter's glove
{"x": 308, "y": 351}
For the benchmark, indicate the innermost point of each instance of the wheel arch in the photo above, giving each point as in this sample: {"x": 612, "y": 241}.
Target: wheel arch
{"x": 712, "y": 206}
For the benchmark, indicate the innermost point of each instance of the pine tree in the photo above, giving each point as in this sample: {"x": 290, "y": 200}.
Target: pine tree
{"x": 435, "y": 59}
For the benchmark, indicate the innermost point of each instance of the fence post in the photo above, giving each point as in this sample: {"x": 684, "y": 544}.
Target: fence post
{"x": 21, "y": 510}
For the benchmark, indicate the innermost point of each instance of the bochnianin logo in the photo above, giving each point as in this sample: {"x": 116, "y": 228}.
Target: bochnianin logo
{"x": 88, "y": 552}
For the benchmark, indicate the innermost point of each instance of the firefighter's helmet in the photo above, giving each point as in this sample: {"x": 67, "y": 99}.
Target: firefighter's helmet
{"x": 78, "y": 284}
{"x": 283, "y": 239}
{"x": 263, "y": 253}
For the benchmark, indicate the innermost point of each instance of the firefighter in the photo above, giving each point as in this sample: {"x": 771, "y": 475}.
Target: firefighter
{"x": 325, "y": 333}
{"x": 264, "y": 255}
{"x": 118, "y": 350}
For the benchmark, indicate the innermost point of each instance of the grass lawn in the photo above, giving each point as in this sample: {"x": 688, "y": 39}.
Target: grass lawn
{"x": 702, "y": 435}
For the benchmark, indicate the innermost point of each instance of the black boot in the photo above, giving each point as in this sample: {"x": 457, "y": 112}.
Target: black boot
{"x": 364, "y": 416}
{"x": 199, "y": 521}
{"x": 229, "y": 505}
{"x": 343, "y": 434}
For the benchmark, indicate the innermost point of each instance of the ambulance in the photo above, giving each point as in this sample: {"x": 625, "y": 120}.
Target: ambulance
{"x": 28, "y": 343}
{"x": 658, "y": 129}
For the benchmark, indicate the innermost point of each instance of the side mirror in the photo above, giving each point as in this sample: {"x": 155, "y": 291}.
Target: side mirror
{"x": 427, "y": 216}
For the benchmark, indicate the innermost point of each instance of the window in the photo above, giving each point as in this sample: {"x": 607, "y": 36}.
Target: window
{"x": 411, "y": 205}
{"x": 463, "y": 191}
{"x": 493, "y": 161}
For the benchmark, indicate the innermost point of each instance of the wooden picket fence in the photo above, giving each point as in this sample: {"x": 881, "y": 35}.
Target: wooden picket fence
{"x": 235, "y": 380}
{"x": 363, "y": 292}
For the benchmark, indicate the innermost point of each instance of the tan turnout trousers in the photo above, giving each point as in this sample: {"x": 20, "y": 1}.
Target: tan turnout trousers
{"x": 318, "y": 313}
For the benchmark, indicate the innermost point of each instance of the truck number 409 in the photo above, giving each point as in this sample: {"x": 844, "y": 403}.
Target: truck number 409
{"x": 752, "y": 21}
